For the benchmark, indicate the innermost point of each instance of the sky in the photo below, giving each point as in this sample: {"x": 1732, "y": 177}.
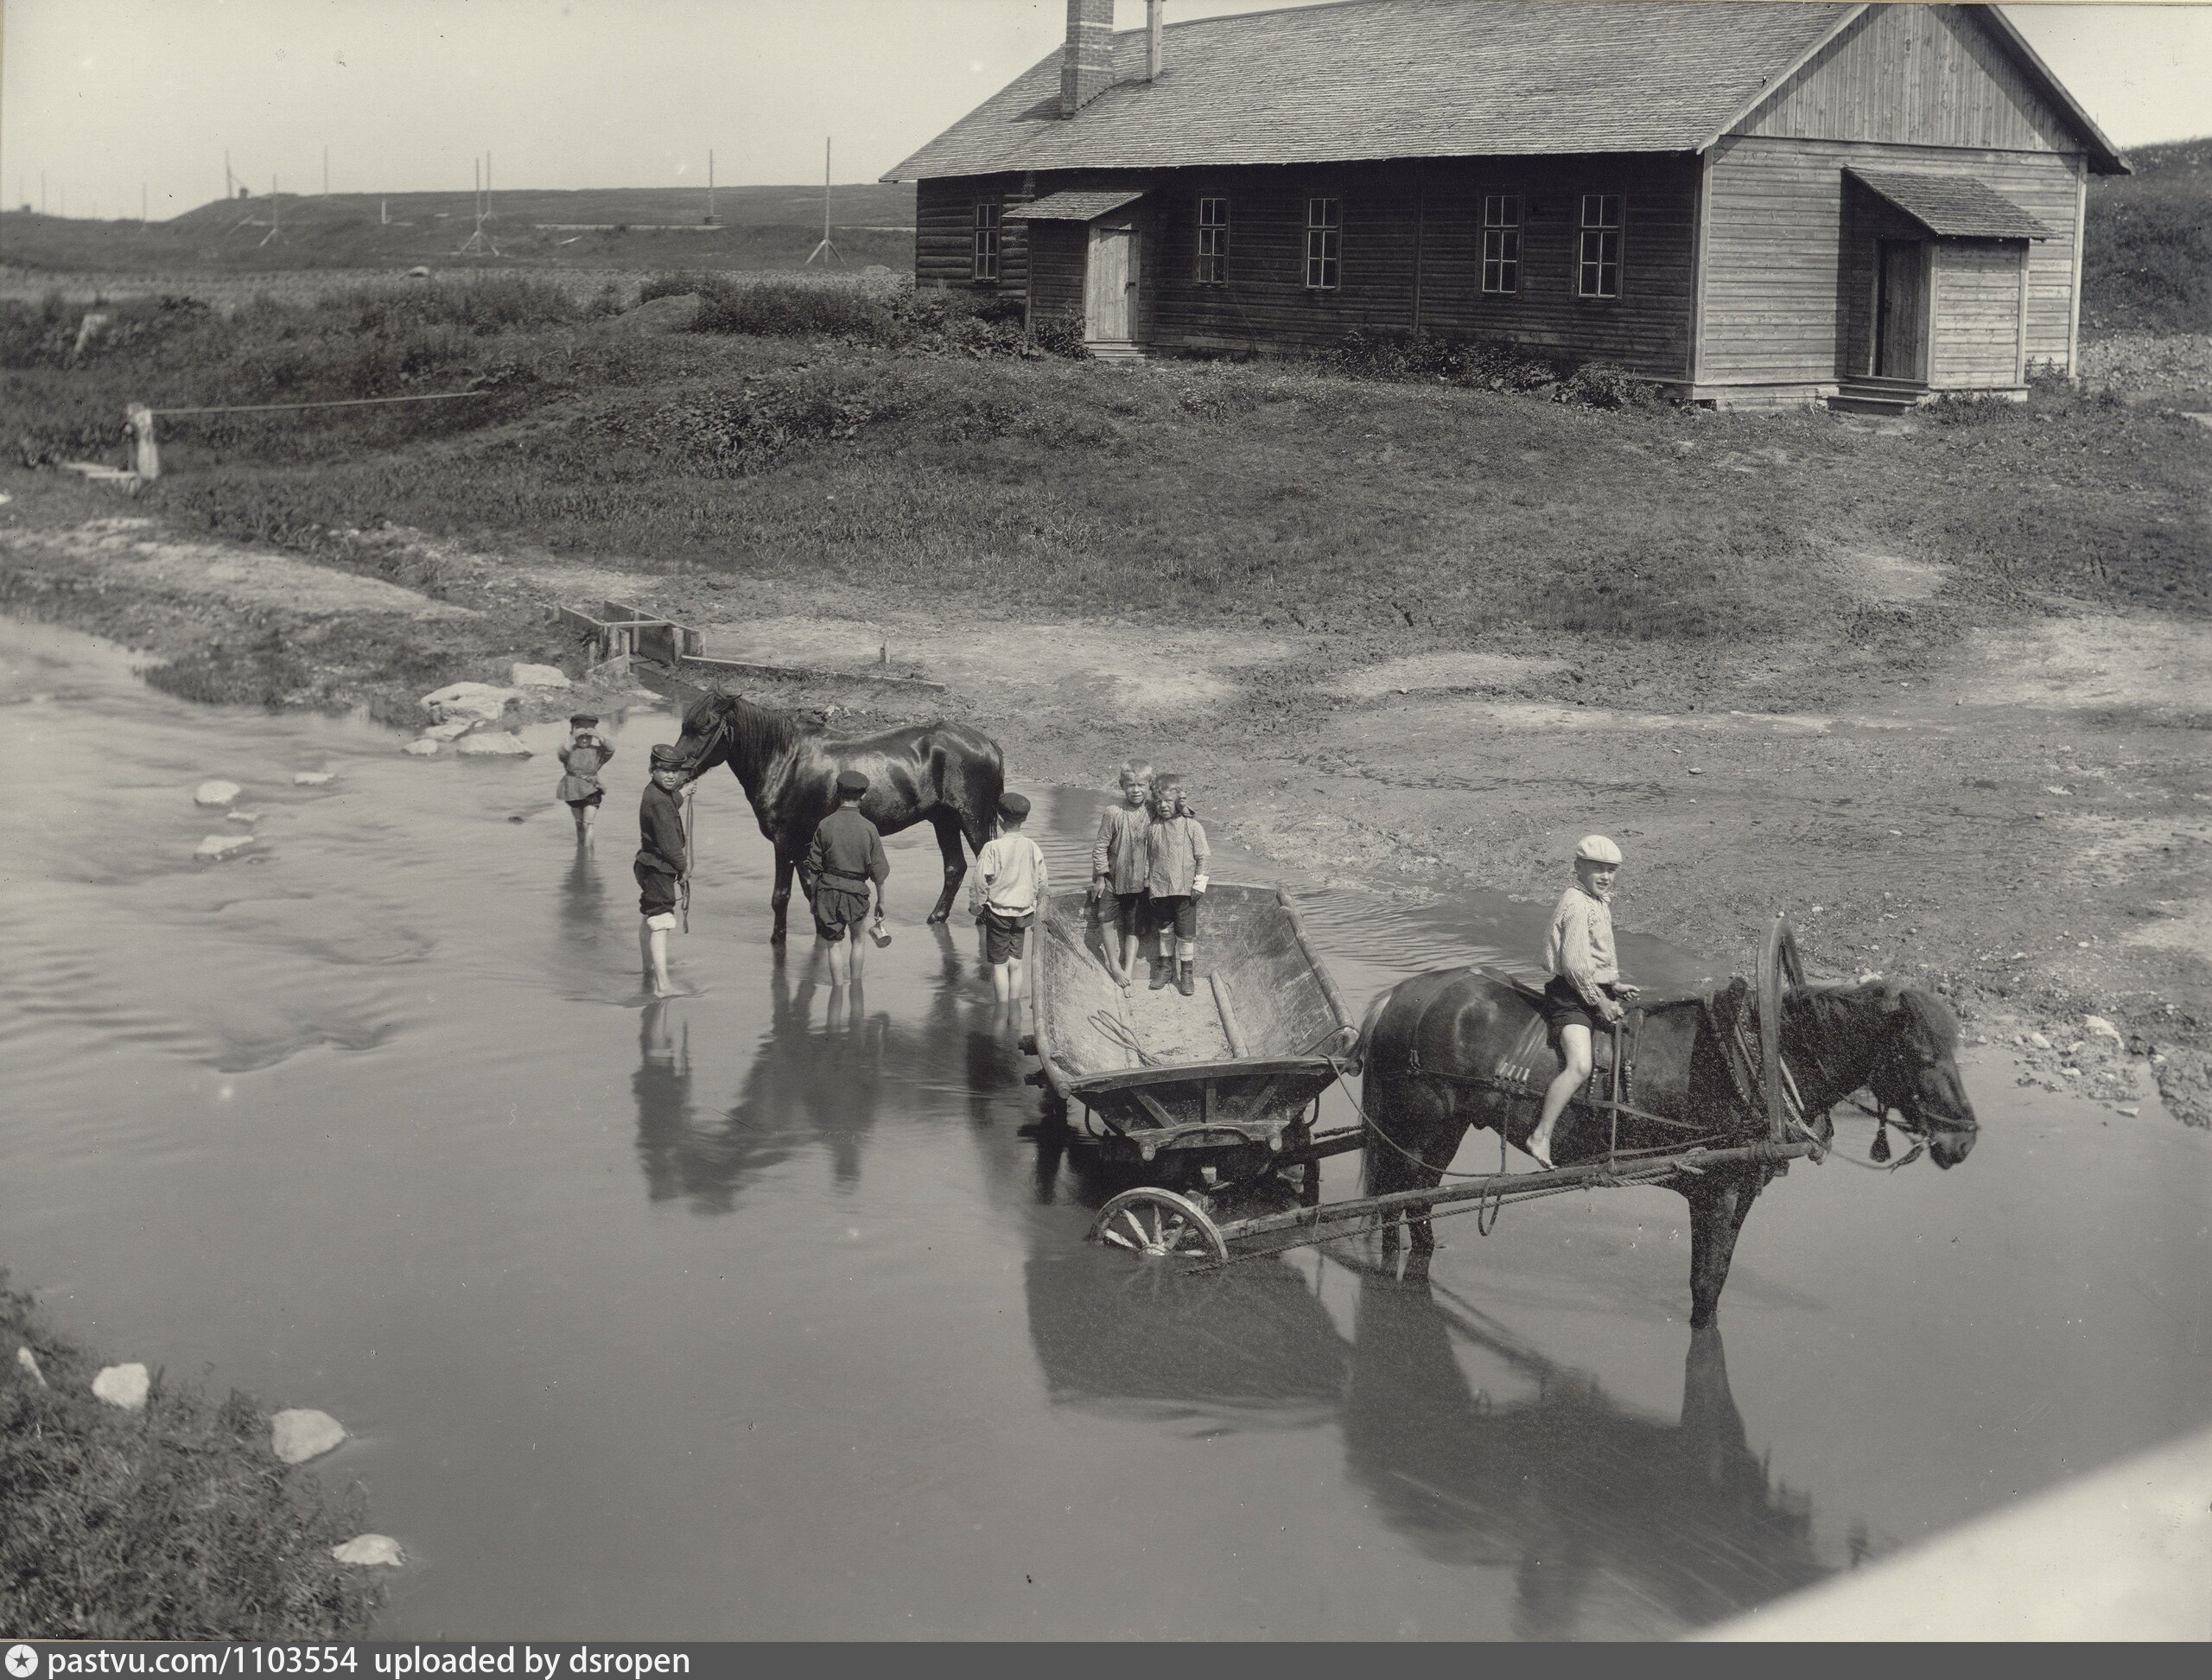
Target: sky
{"x": 100, "y": 97}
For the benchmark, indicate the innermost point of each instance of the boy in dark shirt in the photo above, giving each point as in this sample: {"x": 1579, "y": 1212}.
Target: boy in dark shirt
{"x": 661, "y": 866}
{"x": 840, "y": 871}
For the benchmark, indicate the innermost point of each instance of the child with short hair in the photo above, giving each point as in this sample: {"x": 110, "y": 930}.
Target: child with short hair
{"x": 1119, "y": 863}
{"x": 1009, "y": 884}
{"x": 585, "y": 754}
{"x": 1175, "y": 879}
{"x": 843, "y": 869}
{"x": 662, "y": 863}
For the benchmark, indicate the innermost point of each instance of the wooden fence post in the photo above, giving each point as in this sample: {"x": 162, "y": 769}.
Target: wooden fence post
{"x": 145, "y": 454}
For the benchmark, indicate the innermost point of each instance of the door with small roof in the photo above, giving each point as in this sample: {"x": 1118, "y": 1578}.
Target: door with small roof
{"x": 1111, "y": 287}
{"x": 1901, "y": 311}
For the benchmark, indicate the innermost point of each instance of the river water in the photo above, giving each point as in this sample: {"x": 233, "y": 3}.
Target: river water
{"x": 759, "y": 1314}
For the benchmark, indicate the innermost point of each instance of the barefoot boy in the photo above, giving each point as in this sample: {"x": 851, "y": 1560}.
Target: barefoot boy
{"x": 1175, "y": 879}
{"x": 1118, "y": 864}
{"x": 584, "y": 756}
{"x": 661, "y": 864}
{"x": 1586, "y": 986}
{"x": 1010, "y": 882}
{"x": 842, "y": 870}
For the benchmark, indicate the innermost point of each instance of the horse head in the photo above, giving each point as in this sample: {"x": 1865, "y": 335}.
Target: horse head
{"x": 1906, "y": 1041}
{"x": 705, "y": 741}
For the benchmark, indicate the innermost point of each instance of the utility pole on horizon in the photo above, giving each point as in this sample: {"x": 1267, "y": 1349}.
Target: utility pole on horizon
{"x": 325, "y": 171}
{"x": 710, "y": 186}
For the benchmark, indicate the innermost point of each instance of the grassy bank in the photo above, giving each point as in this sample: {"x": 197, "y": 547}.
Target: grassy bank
{"x": 176, "y": 1521}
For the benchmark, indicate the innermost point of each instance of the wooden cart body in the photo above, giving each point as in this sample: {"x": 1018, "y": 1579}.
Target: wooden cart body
{"x": 1225, "y": 1082}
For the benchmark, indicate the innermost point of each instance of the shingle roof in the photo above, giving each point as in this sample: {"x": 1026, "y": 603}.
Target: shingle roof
{"x": 1956, "y": 205}
{"x": 1070, "y": 206}
{"x": 1385, "y": 78}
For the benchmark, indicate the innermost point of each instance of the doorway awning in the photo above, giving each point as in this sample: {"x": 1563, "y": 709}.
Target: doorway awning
{"x": 1952, "y": 206}
{"x": 1070, "y": 206}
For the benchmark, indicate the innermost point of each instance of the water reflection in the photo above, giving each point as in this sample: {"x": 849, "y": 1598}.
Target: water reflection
{"x": 1575, "y": 1492}
{"x": 583, "y": 906}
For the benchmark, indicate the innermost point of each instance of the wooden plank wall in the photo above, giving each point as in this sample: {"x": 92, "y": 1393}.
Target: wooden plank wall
{"x": 1913, "y": 75}
{"x": 1977, "y": 314}
{"x": 1781, "y": 286}
{"x": 944, "y": 233}
{"x": 1056, "y": 254}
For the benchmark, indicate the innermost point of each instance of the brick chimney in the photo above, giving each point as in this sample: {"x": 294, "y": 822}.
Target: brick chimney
{"x": 1087, "y": 60}
{"x": 1155, "y": 20}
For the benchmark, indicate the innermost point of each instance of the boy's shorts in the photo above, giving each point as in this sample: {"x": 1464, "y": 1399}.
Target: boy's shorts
{"x": 1564, "y": 1006}
{"x": 656, "y": 894}
{"x": 1125, "y": 909}
{"x": 836, "y": 910}
{"x": 1180, "y": 912}
{"x": 1005, "y": 937}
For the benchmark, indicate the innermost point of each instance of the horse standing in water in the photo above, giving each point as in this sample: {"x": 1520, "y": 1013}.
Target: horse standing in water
{"x": 942, "y": 773}
{"x": 1457, "y": 1048}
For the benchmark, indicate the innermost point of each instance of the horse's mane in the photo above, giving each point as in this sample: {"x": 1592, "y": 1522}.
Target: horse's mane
{"x": 1831, "y": 1007}
{"x": 755, "y": 731}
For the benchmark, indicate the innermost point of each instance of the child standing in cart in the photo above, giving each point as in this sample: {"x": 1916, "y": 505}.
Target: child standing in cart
{"x": 584, "y": 756}
{"x": 1175, "y": 879}
{"x": 1119, "y": 863}
{"x": 1010, "y": 881}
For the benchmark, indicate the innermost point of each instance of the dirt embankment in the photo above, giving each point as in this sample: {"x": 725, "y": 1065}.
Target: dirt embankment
{"x": 2026, "y": 826}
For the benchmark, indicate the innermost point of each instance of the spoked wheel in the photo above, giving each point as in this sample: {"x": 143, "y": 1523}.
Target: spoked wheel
{"x": 1159, "y": 1223}
{"x": 1781, "y": 970}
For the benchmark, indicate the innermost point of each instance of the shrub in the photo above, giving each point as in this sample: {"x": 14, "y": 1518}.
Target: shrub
{"x": 1061, "y": 336}
{"x": 783, "y": 308}
{"x": 1478, "y": 363}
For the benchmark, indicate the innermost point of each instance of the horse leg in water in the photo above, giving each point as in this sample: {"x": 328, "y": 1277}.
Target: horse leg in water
{"x": 947, "y": 824}
{"x": 787, "y": 865}
{"x": 1717, "y": 1209}
{"x": 1414, "y": 1124}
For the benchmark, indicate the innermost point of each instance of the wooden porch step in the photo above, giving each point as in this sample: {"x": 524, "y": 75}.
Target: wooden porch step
{"x": 1877, "y": 397}
{"x": 1116, "y": 352}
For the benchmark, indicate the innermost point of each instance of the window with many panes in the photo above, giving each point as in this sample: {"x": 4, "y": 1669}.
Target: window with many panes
{"x": 1324, "y": 242}
{"x": 1213, "y": 242}
{"x": 1502, "y": 242}
{"x": 987, "y": 240}
{"x": 1598, "y": 269}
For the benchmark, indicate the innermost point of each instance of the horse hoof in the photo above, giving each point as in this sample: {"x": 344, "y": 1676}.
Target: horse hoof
{"x": 776, "y": 937}
{"x": 938, "y": 916}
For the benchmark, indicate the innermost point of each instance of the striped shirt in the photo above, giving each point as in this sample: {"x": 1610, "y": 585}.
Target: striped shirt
{"x": 1578, "y": 945}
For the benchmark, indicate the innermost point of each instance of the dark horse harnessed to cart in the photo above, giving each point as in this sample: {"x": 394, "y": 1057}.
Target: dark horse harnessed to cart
{"x": 942, "y": 773}
{"x": 1698, "y": 1095}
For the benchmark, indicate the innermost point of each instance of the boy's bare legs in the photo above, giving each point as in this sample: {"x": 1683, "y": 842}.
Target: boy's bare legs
{"x": 854, "y": 945}
{"x": 839, "y": 962}
{"x": 587, "y": 819}
{"x": 652, "y": 945}
{"x": 1574, "y": 1049}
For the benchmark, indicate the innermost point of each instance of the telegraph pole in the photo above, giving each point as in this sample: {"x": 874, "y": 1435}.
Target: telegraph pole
{"x": 710, "y": 186}
{"x": 825, "y": 250}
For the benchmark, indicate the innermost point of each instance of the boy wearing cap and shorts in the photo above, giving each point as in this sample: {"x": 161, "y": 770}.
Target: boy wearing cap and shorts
{"x": 661, "y": 865}
{"x": 1119, "y": 863}
{"x": 1010, "y": 881}
{"x": 1584, "y": 988}
{"x": 1175, "y": 879}
{"x": 583, "y": 756}
{"x": 841, "y": 869}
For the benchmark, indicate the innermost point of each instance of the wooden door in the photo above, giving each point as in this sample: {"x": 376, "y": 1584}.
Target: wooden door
{"x": 1901, "y": 311}
{"x": 1110, "y": 286}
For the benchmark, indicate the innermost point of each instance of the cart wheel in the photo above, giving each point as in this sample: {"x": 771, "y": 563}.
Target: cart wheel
{"x": 1154, "y": 1221}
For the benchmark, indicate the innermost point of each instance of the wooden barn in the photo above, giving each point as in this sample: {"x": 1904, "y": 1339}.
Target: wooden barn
{"x": 1752, "y": 204}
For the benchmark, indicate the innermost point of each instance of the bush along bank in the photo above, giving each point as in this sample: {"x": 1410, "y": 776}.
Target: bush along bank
{"x": 131, "y": 1509}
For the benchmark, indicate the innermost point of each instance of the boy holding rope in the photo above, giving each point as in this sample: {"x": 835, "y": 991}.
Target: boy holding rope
{"x": 661, "y": 867}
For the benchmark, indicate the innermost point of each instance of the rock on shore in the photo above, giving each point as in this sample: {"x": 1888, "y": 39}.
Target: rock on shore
{"x": 371, "y": 1549}
{"x": 216, "y": 847}
{"x": 495, "y": 744}
{"x": 299, "y": 1434}
{"x": 124, "y": 1385}
{"x": 471, "y": 700}
{"x": 537, "y": 676}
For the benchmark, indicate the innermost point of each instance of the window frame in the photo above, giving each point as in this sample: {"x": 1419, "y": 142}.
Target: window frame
{"x": 986, "y": 242}
{"x": 1591, "y": 272}
{"x": 1325, "y": 244}
{"x": 1503, "y": 216}
{"x": 1211, "y": 267}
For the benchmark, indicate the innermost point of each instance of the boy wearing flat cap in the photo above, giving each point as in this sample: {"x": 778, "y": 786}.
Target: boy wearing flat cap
{"x": 662, "y": 862}
{"x": 1584, "y": 988}
{"x": 1010, "y": 881}
{"x": 584, "y": 756}
{"x": 841, "y": 870}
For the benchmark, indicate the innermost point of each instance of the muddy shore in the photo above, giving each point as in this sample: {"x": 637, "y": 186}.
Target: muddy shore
{"x": 2026, "y": 825}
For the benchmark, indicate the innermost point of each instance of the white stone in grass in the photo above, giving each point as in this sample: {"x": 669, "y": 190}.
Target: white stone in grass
{"x": 29, "y": 1361}
{"x": 124, "y": 1385}
{"x": 301, "y": 1434}
{"x": 313, "y": 778}
{"x": 423, "y": 747}
{"x": 469, "y": 700}
{"x": 538, "y": 675}
{"x": 496, "y": 743}
{"x": 371, "y": 1549}
{"x": 216, "y": 794}
{"x": 216, "y": 847}
{"x": 2099, "y": 1027}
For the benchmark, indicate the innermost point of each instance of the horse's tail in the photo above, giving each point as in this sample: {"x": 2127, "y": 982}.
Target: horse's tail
{"x": 1355, "y": 1060}
{"x": 971, "y": 775}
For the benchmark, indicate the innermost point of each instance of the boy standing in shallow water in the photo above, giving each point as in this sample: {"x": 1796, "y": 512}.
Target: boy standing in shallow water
{"x": 1585, "y": 989}
{"x": 1010, "y": 881}
{"x": 1119, "y": 863}
{"x": 584, "y": 755}
{"x": 661, "y": 864}
{"x": 1175, "y": 879}
{"x": 840, "y": 871}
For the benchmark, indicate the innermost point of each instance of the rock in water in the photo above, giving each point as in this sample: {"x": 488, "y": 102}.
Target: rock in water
{"x": 370, "y": 1548}
{"x": 479, "y": 700}
{"x": 241, "y": 816}
{"x": 299, "y": 1435}
{"x": 312, "y": 777}
{"x": 451, "y": 730}
{"x": 425, "y": 747}
{"x": 122, "y": 1386}
{"x": 494, "y": 744}
{"x": 216, "y": 794}
{"x": 29, "y": 1361}
{"x": 537, "y": 676}
{"x": 216, "y": 847}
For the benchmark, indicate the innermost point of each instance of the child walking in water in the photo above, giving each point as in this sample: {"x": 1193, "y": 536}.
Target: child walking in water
{"x": 1175, "y": 879}
{"x": 1119, "y": 863}
{"x": 1010, "y": 881}
{"x": 583, "y": 757}
{"x": 661, "y": 865}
